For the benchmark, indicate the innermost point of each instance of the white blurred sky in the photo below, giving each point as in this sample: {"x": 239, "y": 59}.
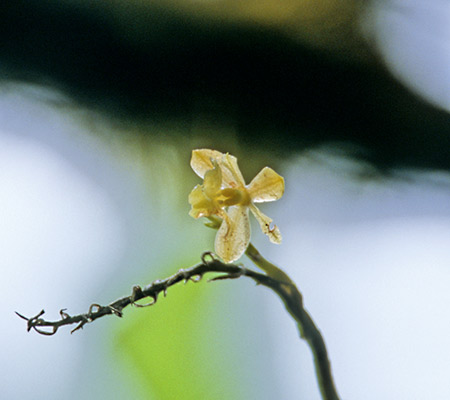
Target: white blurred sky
{"x": 373, "y": 262}
{"x": 65, "y": 225}
{"x": 413, "y": 37}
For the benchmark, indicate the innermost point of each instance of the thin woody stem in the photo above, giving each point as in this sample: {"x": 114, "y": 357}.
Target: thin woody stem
{"x": 270, "y": 269}
{"x": 285, "y": 289}
{"x": 194, "y": 274}
{"x": 293, "y": 301}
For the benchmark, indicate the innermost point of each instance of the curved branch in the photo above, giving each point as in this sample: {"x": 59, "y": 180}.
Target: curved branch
{"x": 285, "y": 289}
{"x": 96, "y": 311}
{"x": 293, "y": 301}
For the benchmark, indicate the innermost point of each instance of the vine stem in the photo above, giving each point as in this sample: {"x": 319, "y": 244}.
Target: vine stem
{"x": 308, "y": 330}
{"x": 275, "y": 279}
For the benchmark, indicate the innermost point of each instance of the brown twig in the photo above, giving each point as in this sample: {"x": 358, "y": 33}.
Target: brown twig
{"x": 285, "y": 289}
{"x": 152, "y": 291}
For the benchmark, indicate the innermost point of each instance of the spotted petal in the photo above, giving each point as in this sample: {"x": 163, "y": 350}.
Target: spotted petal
{"x": 233, "y": 236}
{"x": 266, "y": 186}
{"x": 265, "y": 223}
{"x": 232, "y": 175}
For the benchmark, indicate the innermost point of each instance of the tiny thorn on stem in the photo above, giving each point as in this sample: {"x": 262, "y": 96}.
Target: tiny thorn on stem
{"x": 116, "y": 311}
{"x": 136, "y": 293}
{"x": 96, "y": 307}
{"x": 207, "y": 254}
{"x": 154, "y": 297}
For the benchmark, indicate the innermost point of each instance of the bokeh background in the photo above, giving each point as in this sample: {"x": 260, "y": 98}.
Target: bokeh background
{"x": 101, "y": 103}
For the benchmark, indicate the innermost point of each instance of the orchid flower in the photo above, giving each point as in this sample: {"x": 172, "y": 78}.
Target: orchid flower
{"x": 224, "y": 194}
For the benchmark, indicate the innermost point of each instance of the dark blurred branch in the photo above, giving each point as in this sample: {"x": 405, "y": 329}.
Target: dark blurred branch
{"x": 286, "y": 290}
{"x": 144, "y": 63}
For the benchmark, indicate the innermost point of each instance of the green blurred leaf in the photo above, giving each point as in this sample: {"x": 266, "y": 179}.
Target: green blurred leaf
{"x": 176, "y": 349}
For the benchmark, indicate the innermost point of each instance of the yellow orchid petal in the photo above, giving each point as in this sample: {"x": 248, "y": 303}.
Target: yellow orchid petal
{"x": 264, "y": 222}
{"x": 202, "y": 206}
{"x": 233, "y": 235}
{"x": 212, "y": 181}
{"x": 201, "y": 160}
{"x": 266, "y": 186}
{"x": 232, "y": 175}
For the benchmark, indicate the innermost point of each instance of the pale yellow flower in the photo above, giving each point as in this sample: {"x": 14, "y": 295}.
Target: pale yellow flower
{"x": 225, "y": 194}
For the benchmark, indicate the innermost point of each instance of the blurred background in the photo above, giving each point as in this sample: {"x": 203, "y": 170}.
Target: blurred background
{"x": 101, "y": 103}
